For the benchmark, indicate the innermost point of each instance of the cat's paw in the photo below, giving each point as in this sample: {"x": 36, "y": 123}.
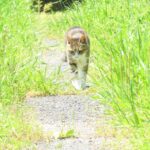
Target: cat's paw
{"x": 76, "y": 84}
{"x": 79, "y": 85}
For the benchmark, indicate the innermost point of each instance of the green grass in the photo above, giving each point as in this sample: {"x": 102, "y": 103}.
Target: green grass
{"x": 119, "y": 69}
{"x": 67, "y": 134}
{"x": 19, "y": 73}
{"x": 19, "y": 47}
{"x": 120, "y": 55}
{"x": 18, "y": 128}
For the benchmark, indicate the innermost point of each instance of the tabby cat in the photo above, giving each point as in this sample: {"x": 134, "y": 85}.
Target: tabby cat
{"x": 77, "y": 55}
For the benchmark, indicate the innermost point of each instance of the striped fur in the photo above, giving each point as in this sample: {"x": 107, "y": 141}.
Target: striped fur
{"x": 77, "y": 53}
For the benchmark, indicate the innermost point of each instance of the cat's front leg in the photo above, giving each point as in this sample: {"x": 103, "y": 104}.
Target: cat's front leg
{"x": 82, "y": 73}
{"x": 75, "y": 80}
{"x": 80, "y": 81}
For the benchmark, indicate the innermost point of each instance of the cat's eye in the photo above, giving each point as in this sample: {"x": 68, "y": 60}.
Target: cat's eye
{"x": 72, "y": 52}
{"x": 81, "y": 52}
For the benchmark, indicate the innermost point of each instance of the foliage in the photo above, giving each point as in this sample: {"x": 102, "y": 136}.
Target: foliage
{"x": 120, "y": 64}
{"x": 119, "y": 52}
{"x": 49, "y": 5}
{"x": 19, "y": 45}
{"x": 19, "y": 72}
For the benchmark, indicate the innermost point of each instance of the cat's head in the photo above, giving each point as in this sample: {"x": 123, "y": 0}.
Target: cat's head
{"x": 77, "y": 44}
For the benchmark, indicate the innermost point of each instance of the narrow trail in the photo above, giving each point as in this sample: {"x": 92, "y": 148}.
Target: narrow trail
{"x": 60, "y": 114}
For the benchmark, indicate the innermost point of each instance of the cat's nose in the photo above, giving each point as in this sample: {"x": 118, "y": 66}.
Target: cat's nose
{"x": 76, "y": 54}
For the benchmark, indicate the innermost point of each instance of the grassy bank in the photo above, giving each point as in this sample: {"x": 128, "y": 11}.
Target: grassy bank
{"x": 19, "y": 73}
{"x": 120, "y": 56}
{"x": 19, "y": 48}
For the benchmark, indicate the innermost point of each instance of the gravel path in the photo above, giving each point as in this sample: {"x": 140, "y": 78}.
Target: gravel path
{"x": 64, "y": 113}
{"x": 59, "y": 114}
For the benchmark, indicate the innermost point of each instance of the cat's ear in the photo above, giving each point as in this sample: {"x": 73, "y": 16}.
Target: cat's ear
{"x": 83, "y": 39}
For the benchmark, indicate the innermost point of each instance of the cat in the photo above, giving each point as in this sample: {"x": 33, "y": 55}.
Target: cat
{"x": 77, "y": 54}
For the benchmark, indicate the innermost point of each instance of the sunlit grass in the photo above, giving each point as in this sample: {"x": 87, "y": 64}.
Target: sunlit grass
{"x": 18, "y": 128}
{"x": 19, "y": 73}
{"x": 119, "y": 64}
{"x": 120, "y": 54}
{"x": 119, "y": 51}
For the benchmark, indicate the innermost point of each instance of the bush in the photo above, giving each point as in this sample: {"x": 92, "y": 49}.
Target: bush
{"x": 51, "y": 5}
